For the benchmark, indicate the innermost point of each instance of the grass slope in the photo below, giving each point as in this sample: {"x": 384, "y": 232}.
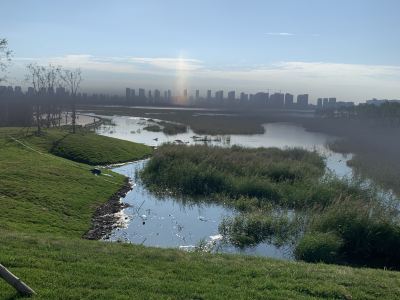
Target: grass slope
{"x": 88, "y": 148}
{"x": 46, "y": 204}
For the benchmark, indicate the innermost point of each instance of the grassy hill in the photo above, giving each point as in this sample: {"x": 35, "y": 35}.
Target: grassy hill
{"x": 46, "y": 203}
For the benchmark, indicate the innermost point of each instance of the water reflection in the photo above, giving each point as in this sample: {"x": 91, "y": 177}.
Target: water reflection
{"x": 179, "y": 223}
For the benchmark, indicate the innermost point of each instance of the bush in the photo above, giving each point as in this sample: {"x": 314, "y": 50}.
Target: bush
{"x": 319, "y": 247}
{"x": 370, "y": 231}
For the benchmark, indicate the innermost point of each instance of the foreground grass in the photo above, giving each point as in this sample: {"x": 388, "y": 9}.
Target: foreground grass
{"x": 60, "y": 268}
{"x": 47, "y": 202}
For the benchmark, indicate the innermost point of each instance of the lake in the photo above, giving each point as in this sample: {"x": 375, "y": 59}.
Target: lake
{"x": 157, "y": 221}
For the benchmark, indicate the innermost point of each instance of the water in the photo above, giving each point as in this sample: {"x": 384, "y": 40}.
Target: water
{"x": 169, "y": 222}
{"x": 281, "y": 135}
{"x": 180, "y": 223}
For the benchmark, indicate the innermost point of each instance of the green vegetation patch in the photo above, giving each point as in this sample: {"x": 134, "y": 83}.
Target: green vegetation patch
{"x": 230, "y": 173}
{"x": 86, "y": 147}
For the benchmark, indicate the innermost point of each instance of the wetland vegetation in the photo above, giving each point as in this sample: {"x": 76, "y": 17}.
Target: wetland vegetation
{"x": 334, "y": 220}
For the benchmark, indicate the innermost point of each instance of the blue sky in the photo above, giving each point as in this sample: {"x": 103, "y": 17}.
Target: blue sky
{"x": 349, "y": 49}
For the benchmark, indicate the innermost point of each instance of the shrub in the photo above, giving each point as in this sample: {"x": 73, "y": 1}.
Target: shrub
{"x": 370, "y": 232}
{"x": 319, "y": 247}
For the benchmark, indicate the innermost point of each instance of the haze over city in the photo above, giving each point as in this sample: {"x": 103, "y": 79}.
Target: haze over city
{"x": 320, "y": 48}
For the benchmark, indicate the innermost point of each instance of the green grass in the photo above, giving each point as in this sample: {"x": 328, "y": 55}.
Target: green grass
{"x": 86, "y": 147}
{"x": 230, "y": 173}
{"x": 46, "y": 203}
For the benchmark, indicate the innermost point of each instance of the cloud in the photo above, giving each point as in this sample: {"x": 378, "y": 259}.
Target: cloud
{"x": 280, "y": 33}
{"x": 120, "y": 64}
{"x": 346, "y": 81}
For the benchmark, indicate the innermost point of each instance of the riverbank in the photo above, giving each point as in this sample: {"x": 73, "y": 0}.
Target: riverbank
{"x": 47, "y": 203}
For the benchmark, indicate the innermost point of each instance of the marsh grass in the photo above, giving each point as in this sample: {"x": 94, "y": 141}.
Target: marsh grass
{"x": 231, "y": 173}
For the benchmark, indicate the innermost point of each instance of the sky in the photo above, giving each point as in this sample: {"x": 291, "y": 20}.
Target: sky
{"x": 347, "y": 49}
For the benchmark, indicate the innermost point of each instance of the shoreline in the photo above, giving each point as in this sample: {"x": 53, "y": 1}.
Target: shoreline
{"x": 105, "y": 218}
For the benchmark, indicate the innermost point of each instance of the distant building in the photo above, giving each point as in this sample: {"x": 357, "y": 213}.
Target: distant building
{"x": 332, "y": 102}
{"x": 208, "y": 94}
{"x": 231, "y": 96}
{"x": 185, "y": 93}
{"x": 219, "y": 96}
{"x": 127, "y": 93}
{"x": 244, "y": 98}
{"x": 169, "y": 97}
{"x": 302, "y": 100}
{"x": 276, "y": 100}
{"x": 259, "y": 99}
{"x": 319, "y": 103}
{"x": 157, "y": 95}
{"x": 197, "y": 94}
{"x": 142, "y": 93}
{"x": 289, "y": 98}
{"x": 325, "y": 102}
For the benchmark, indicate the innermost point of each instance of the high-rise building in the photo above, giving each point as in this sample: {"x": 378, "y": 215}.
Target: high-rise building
{"x": 219, "y": 96}
{"x": 319, "y": 103}
{"x": 157, "y": 95}
{"x": 289, "y": 100}
{"x": 142, "y": 93}
{"x": 276, "y": 100}
{"x": 244, "y": 98}
{"x": 260, "y": 99}
{"x": 231, "y": 96}
{"x": 169, "y": 98}
{"x": 208, "y": 94}
{"x": 302, "y": 100}
{"x": 185, "y": 93}
{"x": 197, "y": 94}
{"x": 325, "y": 103}
{"x": 332, "y": 102}
{"x": 127, "y": 93}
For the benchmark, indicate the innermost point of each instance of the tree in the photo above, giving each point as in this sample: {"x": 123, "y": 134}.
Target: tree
{"x": 72, "y": 80}
{"x": 51, "y": 77}
{"x": 5, "y": 57}
{"x": 37, "y": 77}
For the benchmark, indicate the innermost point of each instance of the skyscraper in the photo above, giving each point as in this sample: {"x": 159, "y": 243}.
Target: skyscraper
{"x": 128, "y": 93}
{"x": 197, "y": 94}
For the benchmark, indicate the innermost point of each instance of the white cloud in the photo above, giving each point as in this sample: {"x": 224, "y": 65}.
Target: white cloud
{"x": 280, "y": 33}
{"x": 346, "y": 81}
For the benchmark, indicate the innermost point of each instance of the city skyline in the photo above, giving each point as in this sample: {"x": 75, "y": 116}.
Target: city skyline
{"x": 322, "y": 48}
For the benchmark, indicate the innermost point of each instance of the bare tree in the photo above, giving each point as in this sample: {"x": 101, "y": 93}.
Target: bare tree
{"x": 5, "y": 56}
{"x": 37, "y": 77}
{"x": 72, "y": 80}
{"x": 51, "y": 77}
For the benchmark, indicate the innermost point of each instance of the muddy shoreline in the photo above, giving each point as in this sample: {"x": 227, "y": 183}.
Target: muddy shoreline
{"x": 105, "y": 218}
